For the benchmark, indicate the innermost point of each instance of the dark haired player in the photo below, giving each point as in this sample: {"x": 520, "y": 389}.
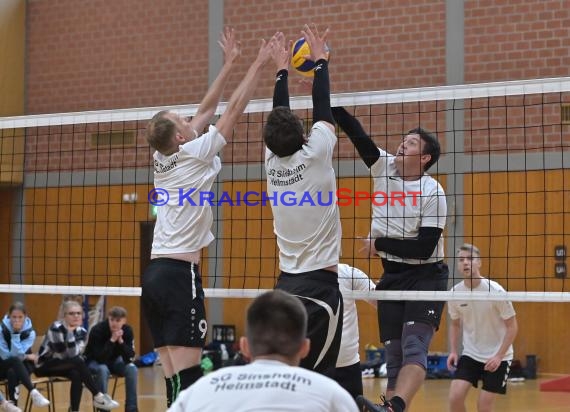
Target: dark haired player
{"x": 407, "y": 237}
{"x": 308, "y": 236}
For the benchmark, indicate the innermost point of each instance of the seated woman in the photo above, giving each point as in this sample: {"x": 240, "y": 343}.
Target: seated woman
{"x": 60, "y": 355}
{"x": 16, "y": 357}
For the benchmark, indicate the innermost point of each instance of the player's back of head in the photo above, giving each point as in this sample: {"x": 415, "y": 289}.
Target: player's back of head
{"x": 283, "y": 132}
{"x": 276, "y": 324}
{"x": 160, "y": 132}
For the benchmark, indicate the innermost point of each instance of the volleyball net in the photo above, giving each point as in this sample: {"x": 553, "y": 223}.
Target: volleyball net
{"x": 78, "y": 206}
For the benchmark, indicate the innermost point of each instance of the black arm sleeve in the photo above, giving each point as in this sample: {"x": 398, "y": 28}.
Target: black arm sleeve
{"x": 353, "y": 129}
{"x": 419, "y": 248}
{"x": 281, "y": 90}
{"x": 322, "y": 93}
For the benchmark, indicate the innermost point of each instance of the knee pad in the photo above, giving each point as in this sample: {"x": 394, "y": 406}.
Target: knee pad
{"x": 393, "y": 361}
{"x": 416, "y": 338}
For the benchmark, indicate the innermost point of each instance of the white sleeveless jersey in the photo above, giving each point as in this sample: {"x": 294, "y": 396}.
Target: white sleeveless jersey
{"x": 264, "y": 385}
{"x": 483, "y": 322}
{"x": 350, "y": 278}
{"x": 403, "y": 206}
{"x": 184, "y": 223}
{"x": 306, "y": 219}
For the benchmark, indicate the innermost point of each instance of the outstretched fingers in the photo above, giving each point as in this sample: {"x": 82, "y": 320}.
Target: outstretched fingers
{"x": 229, "y": 44}
{"x": 316, "y": 42}
{"x": 267, "y": 48}
{"x": 281, "y": 54}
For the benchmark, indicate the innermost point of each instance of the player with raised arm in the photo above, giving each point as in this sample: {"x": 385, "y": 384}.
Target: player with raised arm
{"x": 308, "y": 236}
{"x": 172, "y": 294}
{"x": 408, "y": 239}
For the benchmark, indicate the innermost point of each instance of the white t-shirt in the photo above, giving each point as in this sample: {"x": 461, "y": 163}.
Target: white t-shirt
{"x": 309, "y": 232}
{"x": 184, "y": 223}
{"x": 350, "y": 278}
{"x": 424, "y": 205}
{"x": 264, "y": 385}
{"x": 482, "y": 321}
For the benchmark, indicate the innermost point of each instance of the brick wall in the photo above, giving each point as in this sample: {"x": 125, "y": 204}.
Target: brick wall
{"x": 518, "y": 39}
{"x": 376, "y": 45}
{"x": 99, "y": 54}
{"x": 89, "y": 55}
{"x": 71, "y": 147}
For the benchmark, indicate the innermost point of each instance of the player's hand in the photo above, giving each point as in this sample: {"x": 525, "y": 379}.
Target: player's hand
{"x": 31, "y": 357}
{"x": 117, "y": 335}
{"x": 367, "y": 247}
{"x": 281, "y": 53}
{"x": 316, "y": 42}
{"x": 493, "y": 364}
{"x": 230, "y": 45}
{"x": 452, "y": 361}
{"x": 267, "y": 49}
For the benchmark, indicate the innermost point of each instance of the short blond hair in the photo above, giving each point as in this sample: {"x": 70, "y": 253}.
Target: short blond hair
{"x": 468, "y": 247}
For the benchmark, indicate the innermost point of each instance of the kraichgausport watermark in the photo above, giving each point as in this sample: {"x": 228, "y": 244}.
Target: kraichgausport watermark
{"x": 342, "y": 197}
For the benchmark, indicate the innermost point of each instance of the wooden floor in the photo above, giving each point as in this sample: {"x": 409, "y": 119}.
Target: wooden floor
{"x": 523, "y": 396}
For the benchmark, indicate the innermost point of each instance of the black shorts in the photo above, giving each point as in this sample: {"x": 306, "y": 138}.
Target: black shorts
{"x": 173, "y": 303}
{"x": 319, "y": 293}
{"x": 350, "y": 378}
{"x": 393, "y": 314}
{"x": 470, "y": 370}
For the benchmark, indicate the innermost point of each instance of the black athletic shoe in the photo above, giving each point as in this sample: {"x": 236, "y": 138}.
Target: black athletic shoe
{"x": 365, "y": 405}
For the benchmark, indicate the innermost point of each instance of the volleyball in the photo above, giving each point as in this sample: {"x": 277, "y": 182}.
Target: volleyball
{"x": 302, "y": 65}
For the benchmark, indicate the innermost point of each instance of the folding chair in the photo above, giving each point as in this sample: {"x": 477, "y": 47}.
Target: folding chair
{"x": 48, "y": 381}
{"x": 4, "y": 383}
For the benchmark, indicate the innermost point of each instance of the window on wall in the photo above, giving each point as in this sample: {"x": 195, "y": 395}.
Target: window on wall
{"x": 565, "y": 113}
{"x": 119, "y": 138}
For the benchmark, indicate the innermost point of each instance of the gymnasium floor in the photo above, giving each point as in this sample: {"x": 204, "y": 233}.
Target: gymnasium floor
{"x": 432, "y": 397}
{"x": 521, "y": 396}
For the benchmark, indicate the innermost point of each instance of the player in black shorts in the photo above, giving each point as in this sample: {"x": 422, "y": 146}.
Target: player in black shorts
{"x": 172, "y": 295}
{"x": 308, "y": 235}
{"x": 488, "y": 329}
{"x": 406, "y": 235}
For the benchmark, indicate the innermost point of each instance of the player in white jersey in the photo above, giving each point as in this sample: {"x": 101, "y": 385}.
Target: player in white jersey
{"x": 406, "y": 233}
{"x": 185, "y": 165}
{"x": 308, "y": 234}
{"x": 275, "y": 342}
{"x": 489, "y": 329}
{"x": 348, "y": 371}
